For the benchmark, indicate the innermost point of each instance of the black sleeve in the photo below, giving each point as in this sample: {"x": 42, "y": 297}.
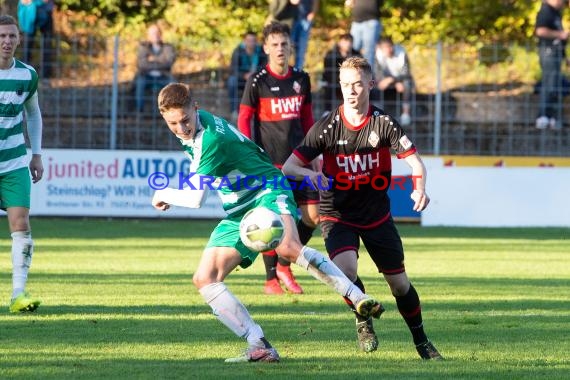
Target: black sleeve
{"x": 250, "y": 95}
{"x": 545, "y": 19}
{"x": 395, "y": 136}
{"x": 313, "y": 144}
{"x": 309, "y": 94}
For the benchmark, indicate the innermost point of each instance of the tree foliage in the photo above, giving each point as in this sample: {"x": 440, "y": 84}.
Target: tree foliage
{"x": 419, "y": 21}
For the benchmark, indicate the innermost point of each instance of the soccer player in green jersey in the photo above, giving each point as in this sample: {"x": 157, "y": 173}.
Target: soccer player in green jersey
{"x": 221, "y": 155}
{"x": 18, "y": 96}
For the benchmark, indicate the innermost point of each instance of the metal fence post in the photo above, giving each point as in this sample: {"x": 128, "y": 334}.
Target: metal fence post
{"x": 437, "y": 116}
{"x": 114, "y": 95}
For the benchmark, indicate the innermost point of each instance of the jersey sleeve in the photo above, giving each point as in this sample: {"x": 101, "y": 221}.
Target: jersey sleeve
{"x": 250, "y": 97}
{"x": 400, "y": 143}
{"x": 248, "y": 105}
{"x": 307, "y": 119}
{"x": 32, "y": 84}
{"x": 543, "y": 19}
{"x": 313, "y": 144}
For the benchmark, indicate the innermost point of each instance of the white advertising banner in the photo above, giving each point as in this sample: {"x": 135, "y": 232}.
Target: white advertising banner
{"x": 112, "y": 183}
{"x": 498, "y": 197}
{"x": 121, "y": 183}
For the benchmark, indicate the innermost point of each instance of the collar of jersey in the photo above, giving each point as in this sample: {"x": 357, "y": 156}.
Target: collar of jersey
{"x": 278, "y": 75}
{"x": 351, "y": 127}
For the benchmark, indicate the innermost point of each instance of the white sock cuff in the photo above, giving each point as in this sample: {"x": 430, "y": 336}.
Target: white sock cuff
{"x": 307, "y": 255}
{"x": 211, "y": 291}
{"x": 302, "y": 259}
{"x": 21, "y": 235}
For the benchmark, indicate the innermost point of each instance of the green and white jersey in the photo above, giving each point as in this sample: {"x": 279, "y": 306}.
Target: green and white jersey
{"x": 229, "y": 162}
{"x": 17, "y": 85}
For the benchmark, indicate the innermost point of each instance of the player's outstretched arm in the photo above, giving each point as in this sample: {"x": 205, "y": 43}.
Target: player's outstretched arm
{"x": 164, "y": 198}
{"x": 419, "y": 173}
{"x": 295, "y": 167}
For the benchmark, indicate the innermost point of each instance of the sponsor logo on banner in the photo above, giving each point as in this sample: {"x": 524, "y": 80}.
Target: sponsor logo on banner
{"x": 110, "y": 184}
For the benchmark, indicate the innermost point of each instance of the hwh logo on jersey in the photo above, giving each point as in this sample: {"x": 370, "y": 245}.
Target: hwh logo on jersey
{"x": 286, "y": 105}
{"x": 356, "y": 163}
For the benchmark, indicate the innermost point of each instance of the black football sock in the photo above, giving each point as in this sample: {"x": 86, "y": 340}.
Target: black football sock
{"x": 305, "y": 232}
{"x": 270, "y": 266}
{"x": 283, "y": 262}
{"x": 411, "y": 311}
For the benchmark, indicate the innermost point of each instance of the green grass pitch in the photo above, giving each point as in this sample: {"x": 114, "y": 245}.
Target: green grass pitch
{"x": 118, "y": 303}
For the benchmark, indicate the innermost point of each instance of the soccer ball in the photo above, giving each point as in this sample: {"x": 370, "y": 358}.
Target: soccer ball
{"x": 261, "y": 229}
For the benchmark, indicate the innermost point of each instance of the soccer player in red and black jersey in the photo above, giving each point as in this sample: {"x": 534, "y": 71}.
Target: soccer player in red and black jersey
{"x": 355, "y": 141}
{"x": 278, "y": 101}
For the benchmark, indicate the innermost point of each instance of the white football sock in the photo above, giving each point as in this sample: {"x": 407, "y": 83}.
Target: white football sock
{"x": 22, "y": 250}
{"x": 324, "y": 270}
{"x": 231, "y": 312}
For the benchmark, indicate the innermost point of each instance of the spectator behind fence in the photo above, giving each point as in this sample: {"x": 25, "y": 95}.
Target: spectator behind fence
{"x": 393, "y": 71}
{"x": 45, "y": 25}
{"x": 154, "y": 63}
{"x": 343, "y": 49}
{"x": 302, "y": 30}
{"x": 247, "y": 58}
{"x": 551, "y": 51}
{"x": 366, "y": 26}
{"x": 27, "y": 18}
{"x": 283, "y": 11}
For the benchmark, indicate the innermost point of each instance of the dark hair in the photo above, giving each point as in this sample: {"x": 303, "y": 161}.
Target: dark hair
{"x": 346, "y": 36}
{"x": 8, "y": 20}
{"x": 249, "y": 33}
{"x": 385, "y": 40}
{"x": 275, "y": 27}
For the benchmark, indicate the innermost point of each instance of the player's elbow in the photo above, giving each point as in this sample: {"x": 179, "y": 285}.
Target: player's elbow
{"x": 290, "y": 166}
{"x": 286, "y": 168}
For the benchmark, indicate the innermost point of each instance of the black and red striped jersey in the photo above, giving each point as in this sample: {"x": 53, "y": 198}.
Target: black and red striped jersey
{"x": 281, "y": 106}
{"x": 358, "y": 158}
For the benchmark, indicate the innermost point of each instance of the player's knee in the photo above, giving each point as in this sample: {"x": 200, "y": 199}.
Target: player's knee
{"x": 347, "y": 264}
{"x": 400, "y": 288}
{"x": 350, "y": 273}
{"x": 311, "y": 220}
{"x": 18, "y": 220}
{"x": 289, "y": 250}
{"x": 196, "y": 280}
{"x": 200, "y": 280}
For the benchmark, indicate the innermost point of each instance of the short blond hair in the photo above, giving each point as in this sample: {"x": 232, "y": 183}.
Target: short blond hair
{"x": 174, "y": 95}
{"x": 357, "y": 63}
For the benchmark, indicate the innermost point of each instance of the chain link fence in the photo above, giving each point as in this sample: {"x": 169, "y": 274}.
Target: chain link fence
{"x": 468, "y": 101}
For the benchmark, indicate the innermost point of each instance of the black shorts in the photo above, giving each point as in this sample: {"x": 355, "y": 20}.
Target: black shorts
{"x": 383, "y": 243}
{"x": 305, "y": 195}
